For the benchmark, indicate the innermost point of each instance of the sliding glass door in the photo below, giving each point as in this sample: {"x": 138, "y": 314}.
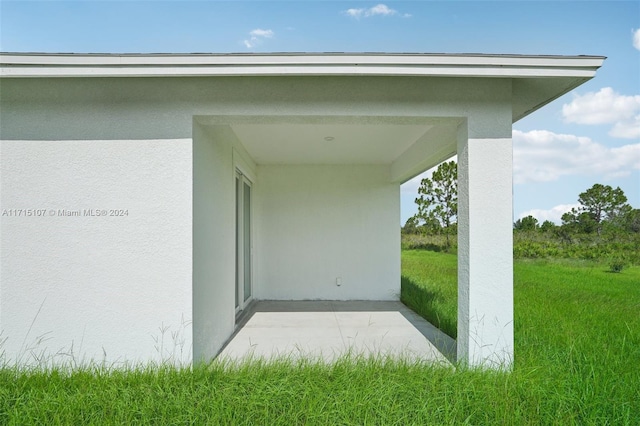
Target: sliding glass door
{"x": 244, "y": 285}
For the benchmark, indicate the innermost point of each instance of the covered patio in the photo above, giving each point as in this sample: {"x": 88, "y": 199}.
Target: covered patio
{"x": 235, "y": 179}
{"x": 327, "y": 330}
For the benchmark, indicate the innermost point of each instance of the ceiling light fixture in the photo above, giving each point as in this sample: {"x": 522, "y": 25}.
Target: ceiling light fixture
{"x": 329, "y": 138}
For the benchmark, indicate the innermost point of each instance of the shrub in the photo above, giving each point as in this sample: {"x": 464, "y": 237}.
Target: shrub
{"x": 616, "y": 265}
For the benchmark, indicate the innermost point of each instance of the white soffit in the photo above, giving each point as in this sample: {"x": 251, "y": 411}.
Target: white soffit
{"x": 327, "y": 143}
{"x": 148, "y": 65}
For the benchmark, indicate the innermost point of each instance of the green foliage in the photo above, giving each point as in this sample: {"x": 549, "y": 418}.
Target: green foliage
{"x": 411, "y": 226}
{"x": 541, "y": 245}
{"x": 438, "y": 198}
{"x": 598, "y": 204}
{"x": 577, "y": 221}
{"x": 576, "y": 341}
{"x": 603, "y": 226}
{"x": 429, "y": 287}
{"x": 428, "y": 241}
{"x": 603, "y": 202}
{"x": 616, "y": 265}
{"x": 630, "y": 222}
{"x": 576, "y": 337}
{"x": 527, "y": 224}
{"x": 578, "y": 246}
{"x": 547, "y": 226}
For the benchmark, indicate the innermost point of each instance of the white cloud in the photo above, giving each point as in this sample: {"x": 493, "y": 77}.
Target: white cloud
{"x": 380, "y": 9}
{"x": 606, "y": 107}
{"x": 354, "y": 13}
{"x": 636, "y": 39}
{"x": 627, "y": 129}
{"x": 257, "y": 36}
{"x": 261, "y": 33}
{"x": 377, "y": 10}
{"x": 553, "y": 214}
{"x": 543, "y": 156}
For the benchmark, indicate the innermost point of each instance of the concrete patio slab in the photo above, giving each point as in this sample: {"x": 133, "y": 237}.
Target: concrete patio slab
{"x": 329, "y": 329}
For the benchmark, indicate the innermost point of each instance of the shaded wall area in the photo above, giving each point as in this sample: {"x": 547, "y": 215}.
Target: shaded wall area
{"x": 321, "y": 225}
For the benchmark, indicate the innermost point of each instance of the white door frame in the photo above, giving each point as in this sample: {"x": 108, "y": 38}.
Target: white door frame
{"x": 244, "y": 241}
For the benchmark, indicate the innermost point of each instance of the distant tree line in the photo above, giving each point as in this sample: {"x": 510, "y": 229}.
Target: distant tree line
{"x": 603, "y": 225}
{"x": 601, "y": 209}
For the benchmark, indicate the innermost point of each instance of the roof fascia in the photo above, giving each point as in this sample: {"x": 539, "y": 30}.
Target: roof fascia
{"x": 503, "y": 66}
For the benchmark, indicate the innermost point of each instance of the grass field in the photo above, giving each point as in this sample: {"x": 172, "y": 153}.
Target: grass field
{"x": 577, "y": 362}
{"x": 577, "y": 332}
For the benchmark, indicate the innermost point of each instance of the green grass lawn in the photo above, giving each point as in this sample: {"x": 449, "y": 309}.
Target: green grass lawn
{"x": 577, "y": 332}
{"x": 577, "y": 362}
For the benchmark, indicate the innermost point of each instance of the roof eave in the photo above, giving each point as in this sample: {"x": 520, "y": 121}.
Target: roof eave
{"x": 164, "y": 65}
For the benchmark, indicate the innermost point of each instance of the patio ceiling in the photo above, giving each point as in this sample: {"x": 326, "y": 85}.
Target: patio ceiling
{"x": 328, "y": 143}
{"x": 409, "y": 145}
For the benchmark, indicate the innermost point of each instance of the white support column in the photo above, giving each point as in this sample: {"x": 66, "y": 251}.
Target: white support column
{"x": 485, "y": 252}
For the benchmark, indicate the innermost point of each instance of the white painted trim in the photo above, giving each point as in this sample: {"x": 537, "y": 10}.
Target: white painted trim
{"x": 240, "y": 278}
{"x": 356, "y": 70}
{"x": 296, "y": 58}
{"x": 243, "y": 162}
{"x": 69, "y": 65}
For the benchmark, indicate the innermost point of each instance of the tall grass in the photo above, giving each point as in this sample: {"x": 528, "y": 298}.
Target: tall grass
{"x": 429, "y": 285}
{"x": 285, "y": 392}
{"x": 579, "y": 324}
{"x": 577, "y": 332}
{"x": 577, "y": 351}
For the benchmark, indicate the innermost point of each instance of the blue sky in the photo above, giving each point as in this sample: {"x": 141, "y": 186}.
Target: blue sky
{"x": 591, "y": 135}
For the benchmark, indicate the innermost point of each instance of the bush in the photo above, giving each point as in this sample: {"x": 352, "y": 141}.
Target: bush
{"x": 616, "y": 265}
{"x": 437, "y": 243}
{"x": 545, "y": 245}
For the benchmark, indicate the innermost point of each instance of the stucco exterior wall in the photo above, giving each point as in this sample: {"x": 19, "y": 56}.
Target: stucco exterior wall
{"x": 149, "y": 108}
{"x": 161, "y": 148}
{"x": 485, "y": 283}
{"x": 320, "y": 223}
{"x": 77, "y": 286}
{"x": 213, "y": 242}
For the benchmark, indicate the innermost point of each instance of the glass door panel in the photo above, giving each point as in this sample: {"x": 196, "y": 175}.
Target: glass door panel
{"x": 243, "y": 284}
{"x": 247, "y": 240}
{"x": 237, "y": 243}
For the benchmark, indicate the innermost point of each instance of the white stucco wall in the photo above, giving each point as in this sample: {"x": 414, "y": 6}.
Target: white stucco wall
{"x": 318, "y": 223}
{"x": 128, "y": 143}
{"x": 485, "y": 252}
{"x": 147, "y": 108}
{"x": 80, "y": 288}
{"x": 215, "y": 152}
